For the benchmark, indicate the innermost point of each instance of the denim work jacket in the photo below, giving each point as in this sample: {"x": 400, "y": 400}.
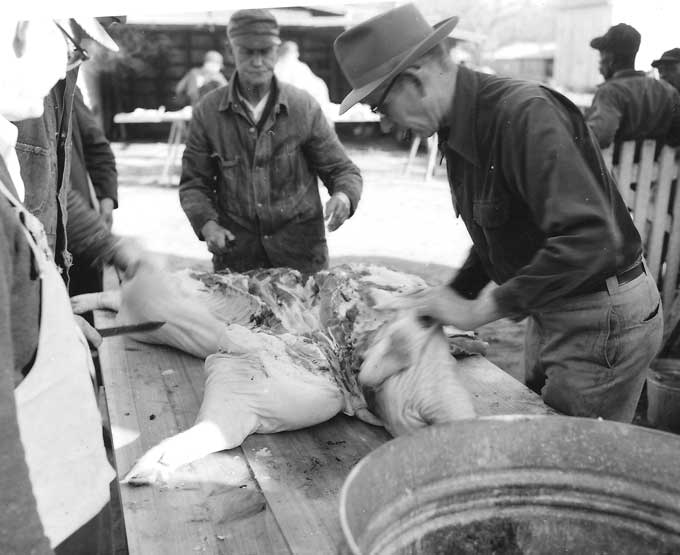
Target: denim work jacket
{"x": 44, "y": 151}
{"x": 260, "y": 181}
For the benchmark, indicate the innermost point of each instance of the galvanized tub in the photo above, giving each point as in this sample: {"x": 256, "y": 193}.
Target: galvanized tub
{"x": 517, "y": 485}
{"x": 663, "y": 394}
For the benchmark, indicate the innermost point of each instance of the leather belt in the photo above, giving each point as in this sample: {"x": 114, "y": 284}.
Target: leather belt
{"x": 623, "y": 278}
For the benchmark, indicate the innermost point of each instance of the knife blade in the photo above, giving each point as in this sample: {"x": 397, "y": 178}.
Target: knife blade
{"x": 132, "y": 328}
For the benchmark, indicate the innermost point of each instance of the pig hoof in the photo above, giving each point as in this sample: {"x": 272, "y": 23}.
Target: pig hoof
{"x": 150, "y": 469}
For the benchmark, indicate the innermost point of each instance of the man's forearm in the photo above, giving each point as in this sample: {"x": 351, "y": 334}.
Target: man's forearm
{"x": 88, "y": 236}
{"x": 198, "y": 205}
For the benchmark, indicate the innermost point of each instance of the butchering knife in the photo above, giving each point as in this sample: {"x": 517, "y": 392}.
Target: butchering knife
{"x": 133, "y": 328}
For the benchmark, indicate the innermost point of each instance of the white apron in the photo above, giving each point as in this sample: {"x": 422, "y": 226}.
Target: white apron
{"x": 59, "y": 422}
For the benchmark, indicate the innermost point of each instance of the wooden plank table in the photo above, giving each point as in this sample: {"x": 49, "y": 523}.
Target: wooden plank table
{"x": 277, "y": 493}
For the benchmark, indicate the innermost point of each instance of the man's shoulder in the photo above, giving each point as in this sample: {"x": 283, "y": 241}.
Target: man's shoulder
{"x": 211, "y": 100}
{"x": 296, "y": 98}
{"x": 632, "y": 83}
{"x": 509, "y": 95}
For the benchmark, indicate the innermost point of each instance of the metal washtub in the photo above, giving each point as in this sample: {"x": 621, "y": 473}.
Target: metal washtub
{"x": 517, "y": 485}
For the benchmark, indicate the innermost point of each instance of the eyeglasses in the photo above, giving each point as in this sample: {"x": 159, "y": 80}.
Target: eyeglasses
{"x": 377, "y": 107}
{"x": 77, "y": 55}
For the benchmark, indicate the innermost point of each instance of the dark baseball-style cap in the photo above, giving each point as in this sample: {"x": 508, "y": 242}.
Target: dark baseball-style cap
{"x": 671, "y": 56}
{"x": 619, "y": 39}
{"x": 253, "y": 28}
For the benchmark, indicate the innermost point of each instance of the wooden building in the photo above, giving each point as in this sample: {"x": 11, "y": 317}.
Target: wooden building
{"x": 524, "y": 60}
{"x": 579, "y": 21}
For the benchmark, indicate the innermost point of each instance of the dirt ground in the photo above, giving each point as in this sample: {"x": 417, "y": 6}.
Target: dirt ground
{"x": 402, "y": 222}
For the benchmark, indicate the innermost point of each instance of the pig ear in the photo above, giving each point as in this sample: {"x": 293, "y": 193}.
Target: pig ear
{"x": 397, "y": 347}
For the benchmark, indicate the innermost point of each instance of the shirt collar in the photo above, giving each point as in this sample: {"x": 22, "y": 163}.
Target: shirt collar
{"x": 461, "y": 127}
{"x": 257, "y": 110}
{"x": 628, "y": 73}
{"x": 231, "y": 98}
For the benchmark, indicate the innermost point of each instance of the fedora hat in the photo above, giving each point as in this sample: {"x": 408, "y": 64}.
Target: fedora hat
{"x": 380, "y": 48}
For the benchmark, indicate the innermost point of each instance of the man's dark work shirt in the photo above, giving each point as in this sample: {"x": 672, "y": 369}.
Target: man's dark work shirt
{"x": 543, "y": 212}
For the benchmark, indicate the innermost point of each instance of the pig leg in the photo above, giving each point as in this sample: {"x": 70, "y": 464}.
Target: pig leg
{"x": 205, "y": 437}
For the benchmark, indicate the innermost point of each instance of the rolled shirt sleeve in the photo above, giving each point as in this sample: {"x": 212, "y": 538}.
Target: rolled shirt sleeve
{"x": 88, "y": 236}
{"x": 471, "y": 278}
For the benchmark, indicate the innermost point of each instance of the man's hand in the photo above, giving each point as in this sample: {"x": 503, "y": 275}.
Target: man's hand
{"x": 444, "y": 305}
{"x": 106, "y": 211}
{"x": 91, "y": 334}
{"x": 337, "y": 211}
{"x": 217, "y": 237}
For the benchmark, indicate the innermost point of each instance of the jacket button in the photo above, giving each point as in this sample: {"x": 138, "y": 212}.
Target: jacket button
{"x": 259, "y": 205}
{"x": 266, "y": 237}
{"x": 252, "y": 130}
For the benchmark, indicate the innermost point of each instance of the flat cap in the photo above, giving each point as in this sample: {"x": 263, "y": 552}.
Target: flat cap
{"x": 671, "y": 56}
{"x": 619, "y": 39}
{"x": 253, "y": 29}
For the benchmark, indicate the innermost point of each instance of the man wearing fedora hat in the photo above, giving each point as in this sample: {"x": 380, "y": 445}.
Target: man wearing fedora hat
{"x": 249, "y": 170}
{"x": 669, "y": 67}
{"x": 629, "y": 105}
{"x": 547, "y": 223}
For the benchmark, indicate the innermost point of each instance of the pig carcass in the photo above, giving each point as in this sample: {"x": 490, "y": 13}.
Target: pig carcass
{"x": 282, "y": 353}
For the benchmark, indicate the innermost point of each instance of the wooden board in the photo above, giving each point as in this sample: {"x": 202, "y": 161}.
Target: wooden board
{"x": 278, "y": 493}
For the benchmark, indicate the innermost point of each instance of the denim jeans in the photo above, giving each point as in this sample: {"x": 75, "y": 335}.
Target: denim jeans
{"x": 588, "y": 355}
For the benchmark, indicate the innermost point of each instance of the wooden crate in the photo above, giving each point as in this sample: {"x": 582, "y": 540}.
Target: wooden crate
{"x": 647, "y": 182}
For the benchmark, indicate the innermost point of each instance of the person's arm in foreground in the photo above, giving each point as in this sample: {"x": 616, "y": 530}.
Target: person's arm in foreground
{"x": 99, "y": 159}
{"x": 90, "y": 239}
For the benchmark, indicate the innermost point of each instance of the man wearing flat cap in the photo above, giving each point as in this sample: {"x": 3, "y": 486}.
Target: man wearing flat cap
{"x": 629, "y": 105}
{"x": 547, "y": 223}
{"x": 249, "y": 171}
{"x": 669, "y": 67}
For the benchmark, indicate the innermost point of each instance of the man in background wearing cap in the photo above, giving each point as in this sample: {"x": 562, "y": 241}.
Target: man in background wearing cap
{"x": 669, "y": 67}
{"x": 629, "y": 105}
{"x": 545, "y": 217}
{"x": 249, "y": 171}
{"x": 201, "y": 80}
